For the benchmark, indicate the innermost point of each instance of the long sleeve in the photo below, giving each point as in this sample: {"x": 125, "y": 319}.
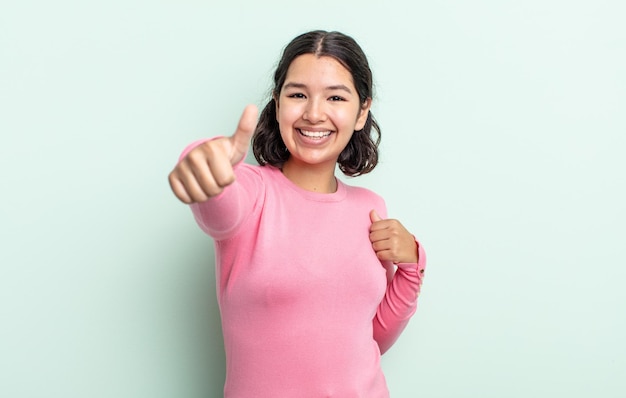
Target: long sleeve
{"x": 399, "y": 302}
{"x": 222, "y": 215}
{"x": 298, "y": 286}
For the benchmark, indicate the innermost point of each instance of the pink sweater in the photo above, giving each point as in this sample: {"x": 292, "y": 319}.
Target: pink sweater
{"x": 306, "y": 306}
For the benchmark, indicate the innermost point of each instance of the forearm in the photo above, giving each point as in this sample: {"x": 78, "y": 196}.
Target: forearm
{"x": 220, "y": 215}
{"x": 400, "y": 301}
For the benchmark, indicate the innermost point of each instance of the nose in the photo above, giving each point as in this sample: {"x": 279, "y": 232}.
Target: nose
{"x": 314, "y": 111}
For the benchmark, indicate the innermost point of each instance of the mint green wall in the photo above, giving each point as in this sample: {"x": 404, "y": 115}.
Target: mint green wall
{"x": 503, "y": 151}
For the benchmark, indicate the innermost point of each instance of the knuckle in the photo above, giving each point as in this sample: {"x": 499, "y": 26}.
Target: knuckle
{"x": 172, "y": 178}
{"x": 225, "y": 180}
{"x": 196, "y": 157}
{"x": 209, "y": 148}
{"x": 198, "y": 196}
{"x": 214, "y": 192}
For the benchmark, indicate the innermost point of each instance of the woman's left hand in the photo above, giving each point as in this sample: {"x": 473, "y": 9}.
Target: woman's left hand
{"x": 391, "y": 241}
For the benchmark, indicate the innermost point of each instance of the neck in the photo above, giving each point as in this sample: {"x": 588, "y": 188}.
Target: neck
{"x": 316, "y": 178}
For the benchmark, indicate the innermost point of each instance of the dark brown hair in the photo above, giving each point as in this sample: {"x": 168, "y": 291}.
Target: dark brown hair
{"x": 361, "y": 154}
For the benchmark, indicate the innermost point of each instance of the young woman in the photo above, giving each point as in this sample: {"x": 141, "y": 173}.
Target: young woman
{"x": 314, "y": 284}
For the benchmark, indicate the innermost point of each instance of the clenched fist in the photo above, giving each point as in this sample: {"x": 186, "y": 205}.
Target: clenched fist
{"x": 391, "y": 241}
{"x": 208, "y": 168}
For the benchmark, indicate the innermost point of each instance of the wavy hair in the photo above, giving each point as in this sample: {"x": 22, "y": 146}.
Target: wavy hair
{"x": 360, "y": 156}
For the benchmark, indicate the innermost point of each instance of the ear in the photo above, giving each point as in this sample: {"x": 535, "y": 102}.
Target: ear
{"x": 363, "y": 113}
{"x": 275, "y": 98}
{"x": 276, "y": 104}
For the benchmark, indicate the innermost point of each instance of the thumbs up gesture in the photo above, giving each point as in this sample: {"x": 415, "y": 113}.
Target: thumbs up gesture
{"x": 391, "y": 241}
{"x": 208, "y": 168}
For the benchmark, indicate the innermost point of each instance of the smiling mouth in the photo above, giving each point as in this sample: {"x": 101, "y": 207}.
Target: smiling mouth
{"x": 316, "y": 135}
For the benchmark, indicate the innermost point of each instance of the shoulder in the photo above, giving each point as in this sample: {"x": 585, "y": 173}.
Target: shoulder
{"x": 362, "y": 194}
{"x": 359, "y": 191}
{"x": 256, "y": 177}
{"x": 248, "y": 169}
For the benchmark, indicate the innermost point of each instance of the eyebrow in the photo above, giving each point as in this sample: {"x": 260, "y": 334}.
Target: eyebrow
{"x": 334, "y": 87}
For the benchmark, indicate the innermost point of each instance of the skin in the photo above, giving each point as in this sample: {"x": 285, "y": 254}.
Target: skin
{"x": 318, "y": 110}
{"x": 318, "y": 97}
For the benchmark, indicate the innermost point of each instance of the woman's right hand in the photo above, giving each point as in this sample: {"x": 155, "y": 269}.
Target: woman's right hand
{"x": 208, "y": 168}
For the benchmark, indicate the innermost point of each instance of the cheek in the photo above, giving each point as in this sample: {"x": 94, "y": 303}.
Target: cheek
{"x": 286, "y": 120}
{"x": 286, "y": 114}
{"x": 348, "y": 120}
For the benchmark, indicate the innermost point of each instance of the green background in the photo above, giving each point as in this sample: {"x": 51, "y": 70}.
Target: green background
{"x": 503, "y": 152}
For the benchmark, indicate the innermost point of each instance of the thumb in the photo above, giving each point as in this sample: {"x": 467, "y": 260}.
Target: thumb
{"x": 245, "y": 129}
{"x": 374, "y": 216}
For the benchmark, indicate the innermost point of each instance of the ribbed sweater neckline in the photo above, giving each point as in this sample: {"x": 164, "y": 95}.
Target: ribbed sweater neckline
{"x": 336, "y": 196}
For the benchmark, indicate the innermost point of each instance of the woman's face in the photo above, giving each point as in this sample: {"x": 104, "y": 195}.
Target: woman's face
{"x": 318, "y": 109}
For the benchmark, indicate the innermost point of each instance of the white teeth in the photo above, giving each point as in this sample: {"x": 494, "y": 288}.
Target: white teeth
{"x": 315, "y": 134}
